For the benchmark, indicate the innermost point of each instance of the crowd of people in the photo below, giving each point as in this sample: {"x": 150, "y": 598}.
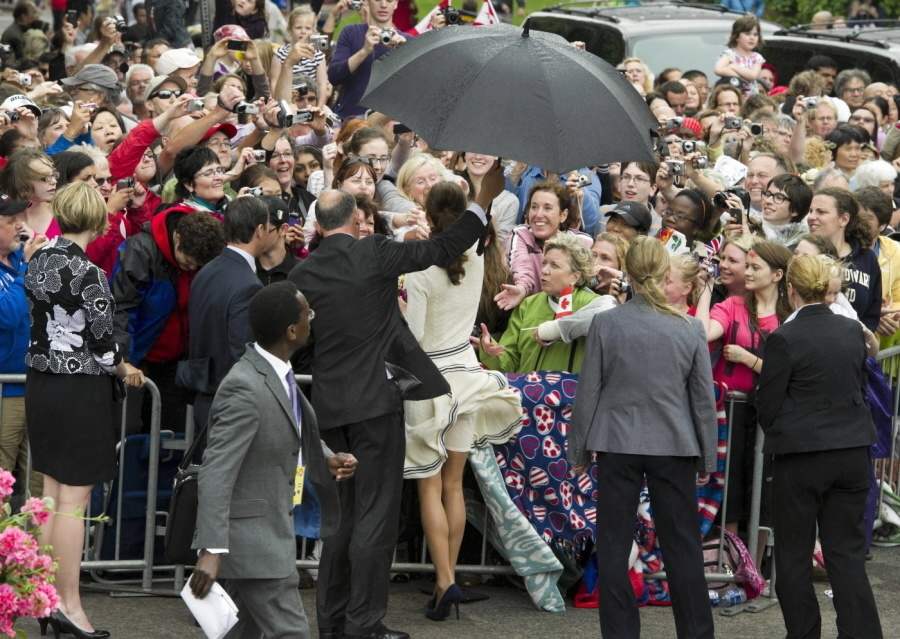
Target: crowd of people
{"x": 193, "y": 218}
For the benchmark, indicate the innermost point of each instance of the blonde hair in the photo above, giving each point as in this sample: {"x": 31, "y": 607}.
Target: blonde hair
{"x": 299, "y": 12}
{"x": 620, "y": 244}
{"x": 689, "y": 272}
{"x": 413, "y": 164}
{"x": 648, "y": 76}
{"x": 79, "y": 207}
{"x": 646, "y": 264}
{"x": 810, "y": 275}
{"x": 580, "y": 259}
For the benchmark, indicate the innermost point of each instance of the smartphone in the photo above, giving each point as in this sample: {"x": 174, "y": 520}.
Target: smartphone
{"x": 72, "y": 17}
{"x": 237, "y": 45}
{"x": 400, "y": 129}
{"x": 737, "y": 214}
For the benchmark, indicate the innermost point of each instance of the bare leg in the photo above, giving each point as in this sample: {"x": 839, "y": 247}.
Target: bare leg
{"x": 454, "y": 505}
{"x": 67, "y": 538}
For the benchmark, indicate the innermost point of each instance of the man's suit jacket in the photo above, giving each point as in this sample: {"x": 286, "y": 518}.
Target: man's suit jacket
{"x": 812, "y": 389}
{"x": 246, "y": 479}
{"x": 645, "y": 388}
{"x": 218, "y": 306}
{"x": 352, "y": 287}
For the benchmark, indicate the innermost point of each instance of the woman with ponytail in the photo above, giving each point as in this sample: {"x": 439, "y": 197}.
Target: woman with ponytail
{"x": 668, "y": 435}
{"x": 812, "y": 408}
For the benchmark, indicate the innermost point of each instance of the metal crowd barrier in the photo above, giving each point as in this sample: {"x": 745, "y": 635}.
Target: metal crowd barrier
{"x": 888, "y": 470}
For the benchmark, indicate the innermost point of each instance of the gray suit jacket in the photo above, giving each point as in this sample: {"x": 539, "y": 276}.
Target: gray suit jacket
{"x": 246, "y": 481}
{"x": 645, "y": 388}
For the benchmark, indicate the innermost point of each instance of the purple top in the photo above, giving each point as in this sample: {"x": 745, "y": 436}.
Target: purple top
{"x": 353, "y": 84}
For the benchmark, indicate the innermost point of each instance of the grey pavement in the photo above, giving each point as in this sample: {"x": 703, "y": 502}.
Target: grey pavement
{"x": 508, "y": 614}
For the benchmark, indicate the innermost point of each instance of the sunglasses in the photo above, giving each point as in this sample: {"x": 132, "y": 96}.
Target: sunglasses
{"x": 103, "y": 181}
{"x": 165, "y": 94}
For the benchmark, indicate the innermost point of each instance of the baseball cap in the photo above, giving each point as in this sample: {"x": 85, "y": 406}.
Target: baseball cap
{"x": 13, "y": 102}
{"x": 279, "y": 213}
{"x": 230, "y": 32}
{"x": 225, "y": 127}
{"x": 98, "y": 74}
{"x": 9, "y": 206}
{"x": 158, "y": 81}
{"x": 634, "y": 214}
{"x": 175, "y": 59}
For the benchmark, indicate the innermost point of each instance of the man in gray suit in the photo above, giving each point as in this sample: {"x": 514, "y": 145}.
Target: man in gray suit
{"x": 261, "y": 431}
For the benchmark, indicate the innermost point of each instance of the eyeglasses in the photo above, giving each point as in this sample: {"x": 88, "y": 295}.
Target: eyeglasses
{"x": 853, "y": 90}
{"x": 103, "y": 181}
{"x": 52, "y": 177}
{"x": 637, "y": 179}
{"x": 679, "y": 217}
{"x": 210, "y": 173}
{"x": 149, "y": 155}
{"x": 282, "y": 156}
{"x": 165, "y": 94}
{"x": 382, "y": 161}
{"x": 218, "y": 144}
{"x": 778, "y": 198}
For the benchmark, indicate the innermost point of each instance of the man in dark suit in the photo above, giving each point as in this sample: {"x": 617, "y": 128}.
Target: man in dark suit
{"x": 811, "y": 404}
{"x": 261, "y": 431}
{"x": 366, "y": 362}
{"x": 220, "y": 295}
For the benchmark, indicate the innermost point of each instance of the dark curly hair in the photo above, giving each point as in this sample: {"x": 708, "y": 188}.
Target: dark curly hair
{"x": 445, "y": 203}
{"x": 201, "y": 236}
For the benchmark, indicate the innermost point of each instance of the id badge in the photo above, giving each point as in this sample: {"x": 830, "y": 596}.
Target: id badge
{"x": 299, "y": 477}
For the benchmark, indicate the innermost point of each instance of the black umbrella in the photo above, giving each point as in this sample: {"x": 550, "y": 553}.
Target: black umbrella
{"x": 502, "y": 90}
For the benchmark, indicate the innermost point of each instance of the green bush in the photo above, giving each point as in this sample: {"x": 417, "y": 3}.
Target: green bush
{"x": 791, "y": 12}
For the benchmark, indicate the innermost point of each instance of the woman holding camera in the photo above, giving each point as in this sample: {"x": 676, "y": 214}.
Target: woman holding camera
{"x": 72, "y": 396}
{"x": 668, "y": 436}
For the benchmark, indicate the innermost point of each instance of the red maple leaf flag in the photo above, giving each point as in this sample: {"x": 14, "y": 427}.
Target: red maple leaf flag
{"x": 565, "y": 302}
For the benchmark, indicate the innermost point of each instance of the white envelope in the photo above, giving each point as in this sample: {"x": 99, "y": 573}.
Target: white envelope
{"x": 216, "y": 612}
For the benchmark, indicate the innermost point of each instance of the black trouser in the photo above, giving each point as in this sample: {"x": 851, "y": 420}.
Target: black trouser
{"x": 827, "y": 488}
{"x": 673, "y": 494}
{"x": 354, "y": 571}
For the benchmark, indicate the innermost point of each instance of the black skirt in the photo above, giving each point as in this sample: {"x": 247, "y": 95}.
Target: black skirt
{"x": 73, "y": 423}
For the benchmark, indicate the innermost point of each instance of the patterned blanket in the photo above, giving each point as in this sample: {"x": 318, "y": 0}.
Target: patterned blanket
{"x": 560, "y": 506}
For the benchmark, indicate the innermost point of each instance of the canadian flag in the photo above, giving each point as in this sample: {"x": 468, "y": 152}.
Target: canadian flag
{"x": 565, "y": 302}
{"x": 487, "y": 15}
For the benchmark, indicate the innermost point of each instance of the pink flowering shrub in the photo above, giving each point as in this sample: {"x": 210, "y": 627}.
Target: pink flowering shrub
{"x": 26, "y": 573}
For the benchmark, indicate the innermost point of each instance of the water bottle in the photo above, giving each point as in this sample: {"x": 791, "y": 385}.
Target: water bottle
{"x": 726, "y": 598}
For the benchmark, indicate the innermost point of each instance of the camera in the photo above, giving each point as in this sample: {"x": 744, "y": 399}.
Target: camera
{"x": 756, "y": 128}
{"x": 332, "y": 120}
{"x": 733, "y": 124}
{"x": 302, "y": 116}
{"x": 125, "y": 183}
{"x": 319, "y": 42}
{"x": 355, "y": 5}
{"x": 259, "y": 155}
{"x": 625, "y": 286}
{"x": 688, "y": 146}
{"x": 246, "y": 108}
{"x": 719, "y": 199}
{"x": 451, "y": 15}
{"x": 710, "y": 264}
{"x": 676, "y": 167}
{"x": 583, "y": 180}
{"x": 195, "y": 105}
{"x": 302, "y": 88}
{"x": 90, "y": 106}
{"x": 386, "y": 36}
{"x": 700, "y": 163}
{"x": 673, "y": 124}
{"x": 24, "y": 79}
{"x": 285, "y": 118}
{"x": 121, "y": 25}
{"x": 811, "y": 103}
{"x": 5, "y": 51}
{"x": 237, "y": 45}
{"x": 72, "y": 17}
{"x": 13, "y": 116}
{"x": 256, "y": 191}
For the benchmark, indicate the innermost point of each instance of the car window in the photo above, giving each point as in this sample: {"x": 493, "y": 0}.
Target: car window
{"x": 790, "y": 58}
{"x": 598, "y": 39}
{"x": 683, "y": 50}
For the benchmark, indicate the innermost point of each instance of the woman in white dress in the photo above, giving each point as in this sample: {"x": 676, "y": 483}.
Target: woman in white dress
{"x": 480, "y": 410}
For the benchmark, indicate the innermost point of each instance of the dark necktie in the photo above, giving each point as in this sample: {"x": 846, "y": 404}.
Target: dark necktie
{"x": 292, "y": 393}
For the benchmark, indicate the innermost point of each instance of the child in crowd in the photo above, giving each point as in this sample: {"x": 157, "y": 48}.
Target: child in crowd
{"x": 301, "y": 25}
{"x": 741, "y": 60}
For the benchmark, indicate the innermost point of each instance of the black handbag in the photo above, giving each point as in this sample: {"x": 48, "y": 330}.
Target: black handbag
{"x": 182, "y": 520}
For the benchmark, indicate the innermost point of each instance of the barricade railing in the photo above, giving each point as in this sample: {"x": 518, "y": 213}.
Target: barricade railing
{"x": 145, "y": 563}
{"x": 888, "y": 469}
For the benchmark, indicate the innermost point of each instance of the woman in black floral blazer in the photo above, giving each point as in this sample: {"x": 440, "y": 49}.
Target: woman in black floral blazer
{"x": 72, "y": 387}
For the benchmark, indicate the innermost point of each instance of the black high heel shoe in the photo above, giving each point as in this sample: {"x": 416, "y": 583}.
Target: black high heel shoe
{"x": 441, "y": 610}
{"x": 43, "y": 622}
{"x": 61, "y": 623}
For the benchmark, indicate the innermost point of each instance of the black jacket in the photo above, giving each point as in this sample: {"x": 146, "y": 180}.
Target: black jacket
{"x": 812, "y": 390}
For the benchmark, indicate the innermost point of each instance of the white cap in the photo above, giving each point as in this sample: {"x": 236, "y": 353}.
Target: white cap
{"x": 13, "y": 102}
{"x": 175, "y": 59}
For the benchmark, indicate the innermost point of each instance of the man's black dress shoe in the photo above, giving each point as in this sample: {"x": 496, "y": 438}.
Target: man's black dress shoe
{"x": 382, "y": 632}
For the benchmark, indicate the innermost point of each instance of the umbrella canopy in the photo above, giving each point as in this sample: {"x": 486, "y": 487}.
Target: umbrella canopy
{"x": 502, "y": 90}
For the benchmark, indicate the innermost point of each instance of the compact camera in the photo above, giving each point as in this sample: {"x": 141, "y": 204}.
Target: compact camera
{"x": 259, "y": 155}
{"x": 451, "y": 15}
{"x": 319, "y": 42}
{"x": 355, "y": 5}
{"x": 676, "y": 167}
{"x": 303, "y": 116}
{"x": 811, "y": 102}
{"x": 24, "y": 79}
{"x": 583, "y": 180}
{"x": 756, "y": 128}
{"x": 700, "y": 163}
{"x": 688, "y": 146}
{"x": 625, "y": 286}
{"x": 195, "y": 105}
{"x": 733, "y": 124}
{"x": 125, "y": 183}
{"x": 237, "y": 45}
{"x": 90, "y": 106}
{"x": 719, "y": 199}
{"x": 386, "y": 36}
{"x": 672, "y": 124}
{"x": 246, "y": 108}
{"x": 256, "y": 191}
{"x": 121, "y": 25}
{"x": 13, "y": 116}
